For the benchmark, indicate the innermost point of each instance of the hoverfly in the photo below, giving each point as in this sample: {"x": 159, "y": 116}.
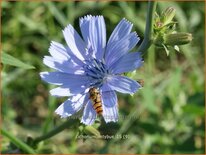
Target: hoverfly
{"x": 95, "y": 98}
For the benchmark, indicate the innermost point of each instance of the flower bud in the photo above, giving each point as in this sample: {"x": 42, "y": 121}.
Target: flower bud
{"x": 177, "y": 38}
{"x": 90, "y": 130}
{"x": 168, "y": 15}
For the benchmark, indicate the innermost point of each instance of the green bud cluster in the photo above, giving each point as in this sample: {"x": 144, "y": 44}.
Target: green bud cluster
{"x": 164, "y": 23}
{"x": 165, "y": 34}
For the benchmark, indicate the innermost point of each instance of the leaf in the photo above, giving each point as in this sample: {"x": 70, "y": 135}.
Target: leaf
{"x": 194, "y": 109}
{"x": 10, "y": 60}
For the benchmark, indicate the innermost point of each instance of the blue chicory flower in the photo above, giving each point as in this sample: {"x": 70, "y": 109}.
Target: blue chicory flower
{"x": 90, "y": 62}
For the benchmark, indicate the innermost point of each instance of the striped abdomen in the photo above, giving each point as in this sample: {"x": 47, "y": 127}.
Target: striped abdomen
{"x": 95, "y": 97}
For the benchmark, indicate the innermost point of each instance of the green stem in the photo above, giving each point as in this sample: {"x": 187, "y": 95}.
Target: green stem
{"x": 149, "y": 27}
{"x": 55, "y": 131}
{"x": 18, "y": 142}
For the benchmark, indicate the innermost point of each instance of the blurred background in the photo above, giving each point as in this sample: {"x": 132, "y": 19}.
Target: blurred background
{"x": 165, "y": 116}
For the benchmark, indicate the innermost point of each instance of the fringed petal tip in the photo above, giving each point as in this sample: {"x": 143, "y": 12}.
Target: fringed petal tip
{"x": 88, "y": 18}
{"x": 71, "y": 106}
{"x": 110, "y": 106}
{"x": 85, "y": 122}
{"x": 60, "y": 111}
{"x": 89, "y": 114}
{"x": 126, "y": 21}
{"x": 110, "y": 120}
{"x": 111, "y": 114}
{"x": 60, "y": 114}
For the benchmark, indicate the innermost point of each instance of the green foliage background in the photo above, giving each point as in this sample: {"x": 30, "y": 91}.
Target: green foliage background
{"x": 166, "y": 116}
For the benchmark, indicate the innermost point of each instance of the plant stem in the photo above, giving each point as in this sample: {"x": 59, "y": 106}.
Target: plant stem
{"x": 149, "y": 27}
{"x": 18, "y": 142}
{"x": 55, "y": 131}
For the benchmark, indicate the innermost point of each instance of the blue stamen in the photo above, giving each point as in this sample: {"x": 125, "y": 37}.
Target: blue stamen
{"x": 96, "y": 70}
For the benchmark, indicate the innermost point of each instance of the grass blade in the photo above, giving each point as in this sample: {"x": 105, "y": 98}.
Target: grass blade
{"x": 10, "y": 60}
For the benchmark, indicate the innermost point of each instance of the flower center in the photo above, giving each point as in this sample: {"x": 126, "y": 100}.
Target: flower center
{"x": 97, "y": 71}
